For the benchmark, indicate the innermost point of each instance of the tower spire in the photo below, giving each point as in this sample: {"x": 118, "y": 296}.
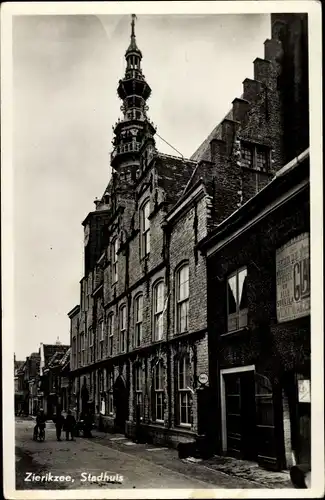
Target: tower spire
{"x": 132, "y": 25}
{"x": 134, "y": 91}
{"x": 133, "y": 44}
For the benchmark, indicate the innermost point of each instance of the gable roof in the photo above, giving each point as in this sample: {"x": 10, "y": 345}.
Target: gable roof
{"x": 65, "y": 358}
{"x": 51, "y": 349}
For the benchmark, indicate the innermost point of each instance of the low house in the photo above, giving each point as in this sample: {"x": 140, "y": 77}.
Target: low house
{"x": 50, "y": 358}
{"x": 258, "y": 264}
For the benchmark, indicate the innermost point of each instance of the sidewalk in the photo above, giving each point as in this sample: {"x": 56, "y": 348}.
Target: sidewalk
{"x": 245, "y": 474}
{"x": 251, "y": 471}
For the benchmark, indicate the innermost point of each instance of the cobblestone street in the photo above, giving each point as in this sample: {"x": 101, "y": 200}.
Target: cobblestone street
{"x": 141, "y": 465}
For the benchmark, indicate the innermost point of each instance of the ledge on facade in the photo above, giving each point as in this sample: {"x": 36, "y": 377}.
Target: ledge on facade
{"x": 157, "y": 208}
{"x": 75, "y": 310}
{"x": 256, "y": 171}
{"x": 139, "y": 282}
{"x": 124, "y": 245}
{"x": 94, "y": 212}
{"x": 180, "y": 336}
{"x": 235, "y": 332}
{"x": 97, "y": 290}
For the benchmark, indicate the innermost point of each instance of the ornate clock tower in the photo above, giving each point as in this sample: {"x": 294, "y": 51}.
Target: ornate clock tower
{"x": 134, "y": 128}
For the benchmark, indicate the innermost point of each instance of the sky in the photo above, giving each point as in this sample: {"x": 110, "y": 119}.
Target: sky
{"x": 65, "y": 76}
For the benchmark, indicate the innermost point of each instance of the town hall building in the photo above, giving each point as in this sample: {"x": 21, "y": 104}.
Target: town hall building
{"x": 140, "y": 348}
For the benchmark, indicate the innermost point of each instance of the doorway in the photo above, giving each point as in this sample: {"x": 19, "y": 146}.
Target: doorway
{"x": 121, "y": 404}
{"x": 239, "y": 413}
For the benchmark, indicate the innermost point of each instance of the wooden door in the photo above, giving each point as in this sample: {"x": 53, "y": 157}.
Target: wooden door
{"x": 266, "y": 438}
{"x": 233, "y": 415}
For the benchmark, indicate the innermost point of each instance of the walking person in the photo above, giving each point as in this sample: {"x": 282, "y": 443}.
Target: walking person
{"x": 59, "y": 424}
{"x": 39, "y": 429}
{"x": 70, "y": 423}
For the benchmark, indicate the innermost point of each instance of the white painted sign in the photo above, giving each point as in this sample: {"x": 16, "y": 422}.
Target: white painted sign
{"x": 304, "y": 391}
{"x": 293, "y": 279}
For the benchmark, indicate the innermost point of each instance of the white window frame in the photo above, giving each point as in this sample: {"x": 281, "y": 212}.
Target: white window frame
{"x": 145, "y": 229}
{"x": 114, "y": 252}
{"x": 82, "y": 342}
{"x": 184, "y": 301}
{"x": 158, "y": 374}
{"x": 138, "y": 388}
{"x": 110, "y": 393}
{"x": 74, "y": 352}
{"x": 241, "y": 315}
{"x": 224, "y": 372}
{"x": 185, "y": 362}
{"x": 138, "y": 320}
{"x": 91, "y": 344}
{"x": 101, "y": 338}
{"x": 158, "y": 311}
{"x": 122, "y": 328}
{"x": 110, "y": 331}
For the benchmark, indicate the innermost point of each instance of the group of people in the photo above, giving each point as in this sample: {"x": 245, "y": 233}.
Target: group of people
{"x": 68, "y": 424}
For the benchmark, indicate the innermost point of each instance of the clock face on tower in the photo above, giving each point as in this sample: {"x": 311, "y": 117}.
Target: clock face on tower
{"x": 86, "y": 235}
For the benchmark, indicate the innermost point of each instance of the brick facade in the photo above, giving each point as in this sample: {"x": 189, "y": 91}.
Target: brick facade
{"x": 187, "y": 200}
{"x": 280, "y": 351}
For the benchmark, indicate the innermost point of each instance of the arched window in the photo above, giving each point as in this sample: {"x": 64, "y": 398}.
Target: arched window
{"x": 91, "y": 345}
{"x": 182, "y": 298}
{"x": 110, "y": 397}
{"x": 122, "y": 322}
{"x": 183, "y": 391}
{"x": 101, "y": 338}
{"x": 138, "y": 391}
{"x": 144, "y": 229}
{"x": 158, "y": 310}
{"x": 110, "y": 334}
{"x": 114, "y": 258}
{"x": 158, "y": 392}
{"x": 138, "y": 318}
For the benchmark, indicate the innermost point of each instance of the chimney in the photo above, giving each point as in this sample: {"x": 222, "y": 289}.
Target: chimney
{"x": 228, "y": 133}
{"x": 273, "y": 50}
{"x": 262, "y": 70}
{"x": 239, "y": 109}
{"x": 217, "y": 149}
{"x": 251, "y": 88}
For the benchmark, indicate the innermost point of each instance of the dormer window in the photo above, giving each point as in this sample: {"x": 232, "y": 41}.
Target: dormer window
{"x": 255, "y": 157}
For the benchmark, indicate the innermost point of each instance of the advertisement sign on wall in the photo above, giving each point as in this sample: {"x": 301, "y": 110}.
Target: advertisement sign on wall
{"x": 293, "y": 279}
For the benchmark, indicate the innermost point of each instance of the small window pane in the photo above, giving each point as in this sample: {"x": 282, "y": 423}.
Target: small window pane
{"x": 232, "y": 295}
{"x": 139, "y": 304}
{"x": 242, "y": 289}
{"x": 247, "y": 156}
{"x": 261, "y": 160}
{"x": 183, "y": 282}
{"x": 159, "y": 297}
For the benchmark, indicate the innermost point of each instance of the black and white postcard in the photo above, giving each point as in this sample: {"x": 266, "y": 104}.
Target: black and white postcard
{"x": 162, "y": 249}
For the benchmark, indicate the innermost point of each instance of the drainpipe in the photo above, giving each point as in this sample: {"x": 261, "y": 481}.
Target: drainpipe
{"x": 166, "y": 256}
{"x": 293, "y": 163}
